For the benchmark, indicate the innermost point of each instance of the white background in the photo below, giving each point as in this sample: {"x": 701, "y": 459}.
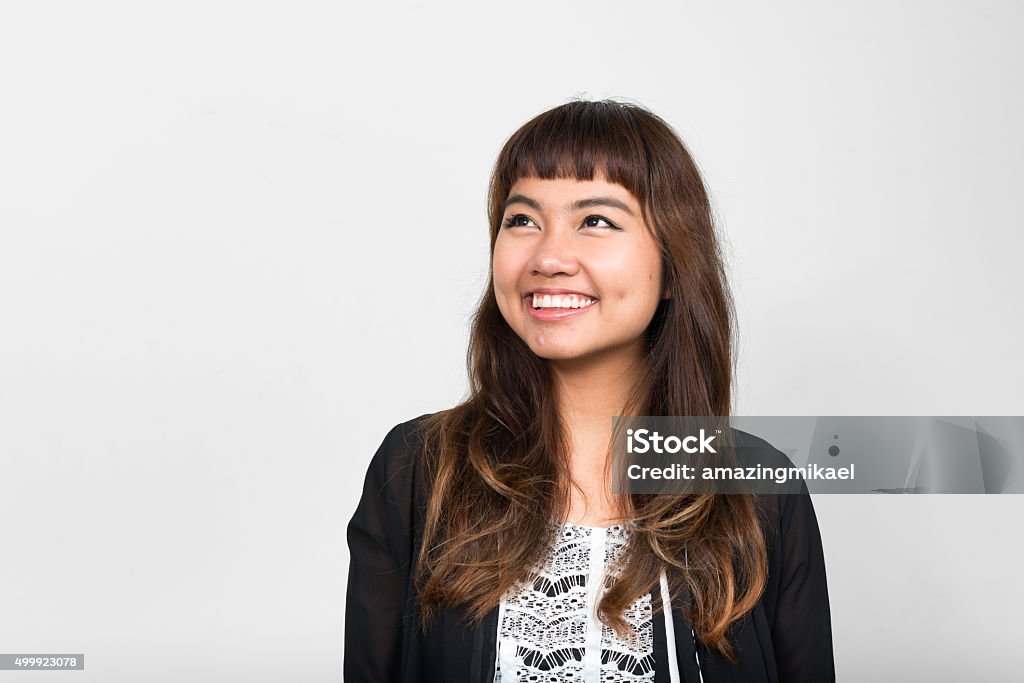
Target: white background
{"x": 240, "y": 241}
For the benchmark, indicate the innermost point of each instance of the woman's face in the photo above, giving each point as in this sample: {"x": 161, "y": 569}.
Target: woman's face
{"x": 577, "y": 271}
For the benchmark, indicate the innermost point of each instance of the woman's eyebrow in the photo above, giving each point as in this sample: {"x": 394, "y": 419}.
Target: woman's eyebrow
{"x": 602, "y": 201}
{"x": 575, "y": 206}
{"x": 522, "y": 199}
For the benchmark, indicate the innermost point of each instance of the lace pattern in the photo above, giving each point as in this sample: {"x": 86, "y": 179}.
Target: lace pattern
{"x": 548, "y": 631}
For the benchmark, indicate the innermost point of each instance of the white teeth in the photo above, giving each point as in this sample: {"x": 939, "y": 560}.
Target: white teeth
{"x": 561, "y": 301}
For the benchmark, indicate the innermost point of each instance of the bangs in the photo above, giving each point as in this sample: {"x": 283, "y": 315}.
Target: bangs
{"x": 579, "y": 140}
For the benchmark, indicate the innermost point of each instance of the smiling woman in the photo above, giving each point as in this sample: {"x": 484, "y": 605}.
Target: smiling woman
{"x": 488, "y": 545}
{"x": 611, "y": 259}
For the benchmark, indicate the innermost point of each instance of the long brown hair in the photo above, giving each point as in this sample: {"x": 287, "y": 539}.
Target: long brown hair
{"x": 499, "y": 462}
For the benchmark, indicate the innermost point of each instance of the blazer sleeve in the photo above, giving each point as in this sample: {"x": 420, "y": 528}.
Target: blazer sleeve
{"x": 802, "y": 627}
{"x": 379, "y": 541}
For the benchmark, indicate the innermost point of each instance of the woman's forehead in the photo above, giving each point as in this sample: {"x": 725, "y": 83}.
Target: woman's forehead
{"x": 572, "y": 187}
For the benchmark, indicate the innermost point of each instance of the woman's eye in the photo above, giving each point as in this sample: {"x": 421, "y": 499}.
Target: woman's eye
{"x": 599, "y": 222}
{"x": 518, "y": 220}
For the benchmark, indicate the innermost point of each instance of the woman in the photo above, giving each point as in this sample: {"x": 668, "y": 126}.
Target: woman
{"x": 488, "y": 546}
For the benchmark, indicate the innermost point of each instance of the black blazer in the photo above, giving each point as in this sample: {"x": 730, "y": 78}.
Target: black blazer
{"x": 787, "y": 638}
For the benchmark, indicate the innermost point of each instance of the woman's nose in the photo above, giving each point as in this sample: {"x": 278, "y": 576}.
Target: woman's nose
{"x": 555, "y": 255}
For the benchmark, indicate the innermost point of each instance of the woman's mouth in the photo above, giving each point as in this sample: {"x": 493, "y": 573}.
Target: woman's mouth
{"x": 549, "y": 307}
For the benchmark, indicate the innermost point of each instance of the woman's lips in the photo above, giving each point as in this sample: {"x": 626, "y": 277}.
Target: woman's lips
{"x": 552, "y": 314}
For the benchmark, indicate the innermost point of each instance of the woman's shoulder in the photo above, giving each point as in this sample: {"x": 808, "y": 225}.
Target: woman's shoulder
{"x": 751, "y": 450}
{"x": 407, "y": 436}
{"x": 398, "y": 453}
{"x": 754, "y": 451}
{"x": 397, "y": 470}
{"x": 387, "y": 511}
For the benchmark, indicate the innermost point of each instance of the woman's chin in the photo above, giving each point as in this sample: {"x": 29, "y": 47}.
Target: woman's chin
{"x": 569, "y": 356}
{"x": 557, "y": 352}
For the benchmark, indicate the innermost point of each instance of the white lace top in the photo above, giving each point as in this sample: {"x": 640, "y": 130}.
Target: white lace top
{"x": 548, "y": 630}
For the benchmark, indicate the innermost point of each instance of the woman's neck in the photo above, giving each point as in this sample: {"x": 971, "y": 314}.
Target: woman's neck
{"x": 592, "y": 391}
{"x": 589, "y": 395}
